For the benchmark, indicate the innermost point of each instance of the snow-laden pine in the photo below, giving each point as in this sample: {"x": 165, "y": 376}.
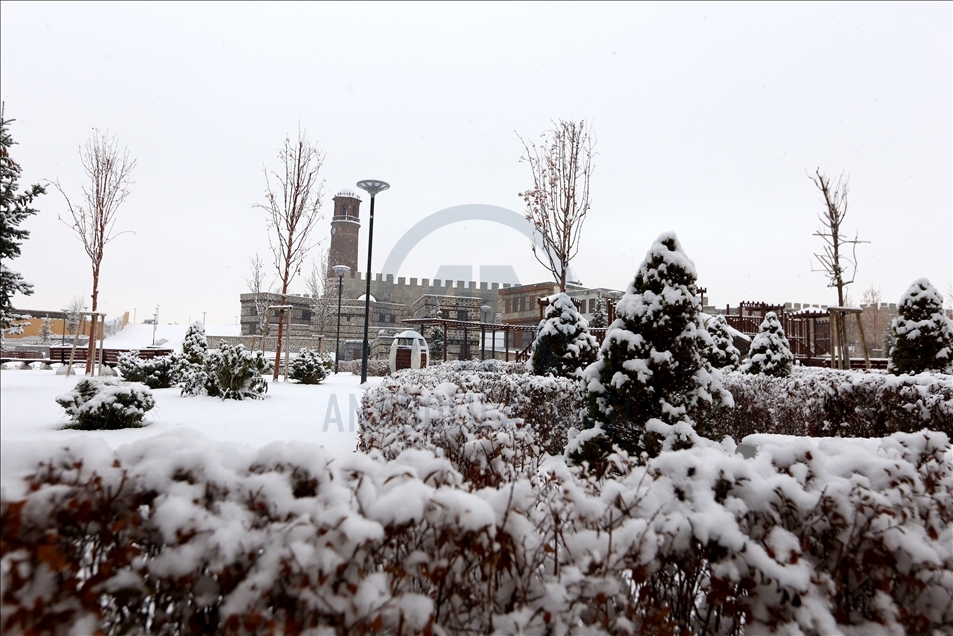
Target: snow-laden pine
{"x": 563, "y": 345}
{"x": 651, "y": 383}
{"x": 922, "y": 334}
{"x": 770, "y": 352}
{"x": 721, "y": 352}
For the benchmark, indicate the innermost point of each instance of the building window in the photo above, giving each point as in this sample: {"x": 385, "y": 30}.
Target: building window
{"x": 461, "y": 314}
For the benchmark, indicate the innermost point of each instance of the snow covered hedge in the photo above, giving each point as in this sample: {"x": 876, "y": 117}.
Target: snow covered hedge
{"x": 178, "y": 535}
{"x": 492, "y": 426}
{"x": 826, "y": 403}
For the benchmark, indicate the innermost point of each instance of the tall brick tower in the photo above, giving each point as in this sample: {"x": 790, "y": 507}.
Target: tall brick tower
{"x": 345, "y": 227}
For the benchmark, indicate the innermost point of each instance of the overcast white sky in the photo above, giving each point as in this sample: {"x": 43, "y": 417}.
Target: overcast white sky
{"x": 708, "y": 117}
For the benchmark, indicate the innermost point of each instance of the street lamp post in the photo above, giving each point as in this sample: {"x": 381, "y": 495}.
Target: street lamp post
{"x": 203, "y": 318}
{"x": 63, "y": 342}
{"x": 155, "y": 322}
{"x": 340, "y": 270}
{"x": 485, "y": 309}
{"x": 372, "y": 187}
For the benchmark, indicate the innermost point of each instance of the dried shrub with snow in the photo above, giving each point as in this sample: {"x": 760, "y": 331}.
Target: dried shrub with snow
{"x": 159, "y": 372}
{"x": 651, "y": 384}
{"x": 310, "y": 366}
{"x": 921, "y": 334}
{"x": 491, "y": 425}
{"x": 563, "y": 345}
{"x": 176, "y": 535}
{"x": 828, "y": 402}
{"x": 97, "y": 404}
{"x": 375, "y": 368}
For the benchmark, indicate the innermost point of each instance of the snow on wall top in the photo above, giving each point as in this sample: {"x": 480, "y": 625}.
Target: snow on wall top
{"x": 348, "y": 193}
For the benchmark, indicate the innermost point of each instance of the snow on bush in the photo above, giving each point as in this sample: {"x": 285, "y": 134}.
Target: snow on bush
{"x": 921, "y": 334}
{"x": 770, "y": 353}
{"x": 310, "y": 367}
{"x": 375, "y": 368}
{"x": 490, "y": 425}
{"x": 179, "y": 535}
{"x": 828, "y": 402}
{"x": 651, "y": 368}
{"x": 563, "y": 345}
{"x": 235, "y": 373}
{"x": 97, "y": 404}
{"x": 721, "y": 352}
{"x": 195, "y": 344}
{"x": 156, "y": 373}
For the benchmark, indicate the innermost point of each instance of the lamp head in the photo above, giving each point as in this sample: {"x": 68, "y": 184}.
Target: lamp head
{"x": 373, "y": 186}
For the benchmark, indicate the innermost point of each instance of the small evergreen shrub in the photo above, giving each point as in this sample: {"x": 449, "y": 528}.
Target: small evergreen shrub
{"x": 721, "y": 352}
{"x": 156, "y": 373}
{"x": 310, "y": 367}
{"x": 99, "y": 405}
{"x": 191, "y": 373}
{"x": 195, "y": 345}
{"x": 235, "y": 373}
{"x": 922, "y": 335}
{"x": 770, "y": 352}
{"x": 563, "y": 345}
{"x": 651, "y": 384}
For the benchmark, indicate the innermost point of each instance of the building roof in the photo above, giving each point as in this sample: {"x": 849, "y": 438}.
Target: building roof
{"x": 348, "y": 193}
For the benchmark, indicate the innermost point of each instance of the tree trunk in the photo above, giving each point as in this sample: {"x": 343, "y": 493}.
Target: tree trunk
{"x": 91, "y": 348}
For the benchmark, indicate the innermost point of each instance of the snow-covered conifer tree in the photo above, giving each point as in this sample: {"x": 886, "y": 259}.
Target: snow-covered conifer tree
{"x": 190, "y": 372}
{"x": 770, "y": 352}
{"x": 599, "y": 320}
{"x": 563, "y": 345}
{"x": 721, "y": 353}
{"x": 195, "y": 344}
{"x": 651, "y": 380}
{"x": 46, "y": 331}
{"x": 922, "y": 334}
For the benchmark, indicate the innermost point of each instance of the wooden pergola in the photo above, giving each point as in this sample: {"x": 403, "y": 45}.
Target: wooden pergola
{"x": 467, "y": 326}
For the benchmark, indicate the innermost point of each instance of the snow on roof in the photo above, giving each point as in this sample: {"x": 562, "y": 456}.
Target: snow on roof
{"x": 348, "y": 193}
{"x": 408, "y": 334}
{"x": 361, "y": 298}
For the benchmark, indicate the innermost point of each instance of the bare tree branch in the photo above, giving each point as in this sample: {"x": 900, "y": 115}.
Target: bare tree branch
{"x": 559, "y": 200}
{"x": 292, "y": 204}
{"x": 256, "y": 285}
{"x": 834, "y": 262}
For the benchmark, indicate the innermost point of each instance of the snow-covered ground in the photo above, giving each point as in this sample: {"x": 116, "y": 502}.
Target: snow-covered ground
{"x": 166, "y": 336}
{"x": 323, "y": 415}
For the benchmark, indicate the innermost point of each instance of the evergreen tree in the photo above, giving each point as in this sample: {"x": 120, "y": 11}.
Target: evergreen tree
{"x": 651, "y": 380}
{"x": 46, "y": 331}
{"x": 563, "y": 345}
{"x": 922, "y": 334}
{"x": 191, "y": 373}
{"x": 770, "y": 352}
{"x": 435, "y": 344}
{"x": 195, "y": 345}
{"x": 599, "y": 320}
{"x": 14, "y": 209}
{"x": 721, "y": 353}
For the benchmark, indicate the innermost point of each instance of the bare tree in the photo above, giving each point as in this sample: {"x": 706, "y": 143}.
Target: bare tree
{"x": 558, "y": 202}
{"x": 256, "y": 285}
{"x": 323, "y": 293}
{"x": 94, "y": 217}
{"x": 875, "y": 324}
{"x": 839, "y": 266}
{"x": 293, "y": 200}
